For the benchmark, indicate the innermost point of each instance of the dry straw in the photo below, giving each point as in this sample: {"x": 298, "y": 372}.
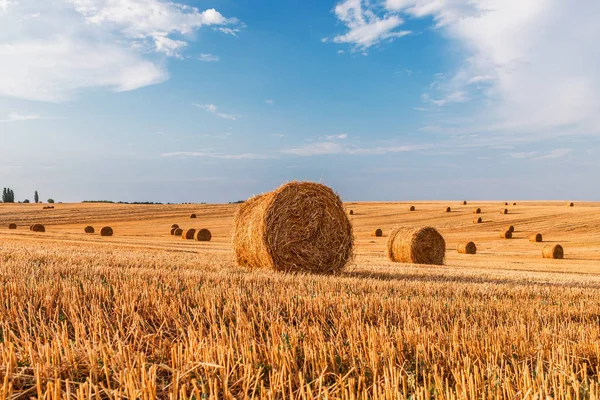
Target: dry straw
{"x": 106, "y": 231}
{"x": 178, "y": 232}
{"x": 378, "y": 232}
{"x": 477, "y": 210}
{"x": 506, "y": 235}
{"x": 535, "y": 237}
{"x": 203, "y": 235}
{"x": 189, "y": 234}
{"x": 38, "y": 228}
{"x": 12, "y": 226}
{"x": 447, "y": 209}
{"x": 477, "y": 220}
{"x": 193, "y": 216}
{"x": 503, "y": 211}
{"x": 416, "y": 245}
{"x": 553, "y": 251}
{"x": 89, "y": 229}
{"x": 412, "y": 208}
{"x": 299, "y": 227}
{"x": 466, "y": 248}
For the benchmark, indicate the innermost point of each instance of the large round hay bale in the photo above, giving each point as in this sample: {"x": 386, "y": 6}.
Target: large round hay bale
{"x": 193, "y": 216}
{"x": 12, "y": 226}
{"x": 447, "y": 209}
{"x": 188, "y": 234}
{"x": 506, "y": 234}
{"x": 553, "y": 251}
{"x": 477, "y": 220}
{"x": 535, "y": 237}
{"x": 174, "y": 226}
{"x": 299, "y": 227}
{"x": 477, "y": 210}
{"x": 466, "y": 248}
{"x": 89, "y": 229}
{"x": 178, "y": 232}
{"x": 570, "y": 204}
{"x": 38, "y": 228}
{"x": 503, "y": 211}
{"x": 510, "y": 228}
{"x": 106, "y": 231}
{"x": 416, "y": 245}
{"x": 351, "y": 212}
{"x": 411, "y": 208}
{"x": 378, "y": 232}
{"x": 203, "y": 235}
{"x": 464, "y": 203}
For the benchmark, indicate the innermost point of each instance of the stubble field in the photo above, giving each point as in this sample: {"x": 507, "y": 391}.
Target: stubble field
{"x": 143, "y": 314}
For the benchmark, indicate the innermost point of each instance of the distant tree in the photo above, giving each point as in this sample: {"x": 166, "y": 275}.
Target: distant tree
{"x": 26, "y": 201}
{"x": 8, "y": 196}
{"x": 51, "y": 201}
{"x": 4, "y": 196}
{"x": 36, "y": 197}
{"x": 12, "y": 196}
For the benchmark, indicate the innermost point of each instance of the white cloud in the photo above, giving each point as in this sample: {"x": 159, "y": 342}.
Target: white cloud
{"x": 16, "y": 117}
{"x": 211, "y": 108}
{"x": 73, "y": 45}
{"x": 557, "y": 153}
{"x": 528, "y": 154}
{"x": 224, "y": 156}
{"x": 269, "y": 102}
{"x": 229, "y": 31}
{"x": 279, "y": 135}
{"x": 328, "y": 148}
{"x": 365, "y": 27}
{"x": 208, "y": 57}
{"x": 341, "y": 136}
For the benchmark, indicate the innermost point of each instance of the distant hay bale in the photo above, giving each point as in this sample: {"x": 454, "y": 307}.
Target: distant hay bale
{"x": 106, "y": 231}
{"x": 503, "y": 211}
{"x": 89, "y": 229}
{"x": 378, "y": 232}
{"x": 464, "y": 203}
{"x": 477, "y": 210}
{"x": 38, "y": 228}
{"x": 506, "y": 235}
{"x": 416, "y": 245}
{"x": 174, "y": 226}
{"x": 12, "y": 226}
{"x": 535, "y": 237}
{"x": 412, "y": 208}
{"x": 466, "y": 248}
{"x": 477, "y": 220}
{"x": 553, "y": 251}
{"x": 31, "y": 227}
{"x": 203, "y": 235}
{"x": 505, "y": 203}
{"x": 510, "y": 228}
{"x": 193, "y": 216}
{"x": 447, "y": 209}
{"x": 188, "y": 234}
{"x": 351, "y": 212}
{"x": 570, "y": 204}
{"x": 298, "y": 227}
{"x": 178, "y": 232}
{"x": 514, "y": 204}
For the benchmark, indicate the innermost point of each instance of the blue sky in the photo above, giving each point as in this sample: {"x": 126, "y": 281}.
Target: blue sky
{"x": 191, "y": 101}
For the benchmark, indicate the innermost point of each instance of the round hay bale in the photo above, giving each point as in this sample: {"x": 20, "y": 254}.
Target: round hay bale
{"x": 178, "y": 232}
{"x": 12, "y": 226}
{"x": 477, "y": 210}
{"x": 477, "y": 220}
{"x": 188, "y": 234}
{"x": 299, "y": 227}
{"x": 570, "y": 204}
{"x": 447, "y": 209}
{"x": 514, "y": 204}
{"x": 351, "y": 212}
{"x": 378, "y": 233}
{"x": 89, "y": 229}
{"x": 416, "y": 245}
{"x": 412, "y": 208}
{"x": 553, "y": 251}
{"x": 193, "y": 216}
{"x": 510, "y": 228}
{"x": 173, "y": 231}
{"x": 464, "y": 203}
{"x": 503, "y": 211}
{"x": 38, "y": 228}
{"x": 505, "y": 203}
{"x": 203, "y": 235}
{"x": 466, "y": 248}
{"x": 31, "y": 227}
{"x": 535, "y": 237}
{"x": 506, "y": 235}
{"x": 174, "y": 226}
{"x": 106, "y": 231}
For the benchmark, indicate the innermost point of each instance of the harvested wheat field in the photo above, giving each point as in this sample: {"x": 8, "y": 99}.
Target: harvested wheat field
{"x": 144, "y": 314}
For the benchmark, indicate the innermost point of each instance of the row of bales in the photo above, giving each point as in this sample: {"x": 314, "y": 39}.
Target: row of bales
{"x": 105, "y": 231}
{"x": 200, "y": 235}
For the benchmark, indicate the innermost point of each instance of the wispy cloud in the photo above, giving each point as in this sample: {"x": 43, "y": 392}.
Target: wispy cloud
{"x": 224, "y": 156}
{"x": 229, "y": 31}
{"x": 16, "y": 117}
{"x": 341, "y": 136}
{"x": 269, "y": 102}
{"x": 521, "y": 155}
{"x": 279, "y": 135}
{"x": 557, "y": 153}
{"x": 211, "y": 108}
{"x": 329, "y": 148}
{"x": 207, "y": 57}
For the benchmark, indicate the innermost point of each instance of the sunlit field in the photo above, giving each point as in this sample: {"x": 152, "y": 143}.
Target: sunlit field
{"x": 144, "y": 314}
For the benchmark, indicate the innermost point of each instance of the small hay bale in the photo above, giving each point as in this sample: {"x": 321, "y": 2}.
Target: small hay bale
{"x": 173, "y": 231}
{"x": 506, "y": 235}
{"x": 12, "y": 226}
{"x": 466, "y": 248}
{"x": 505, "y": 203}
{"x": 174, "y": 226}
{"x": 193, "y": 216}
{"x": 203, "y": 235}
{"x": 188, "y": 234}
{"x": 535, "y": 237}
{"x": 477, "y": 220}
{"x": 503, "y": 211}
{"x": 553, "y": 251}
{"x": 38, "y": 228}
{"x": 464, "y": 203}
{"x": 510, "y": 228}
{"x": 447, "y": 209}
{"x": 89, "y": 229}
{"x": 477, "y": 210}
{"x": 298, "y": 227}
{"x": 378, "y": 233}
{"x": 570, "y": 204}
{"x": 31, "y": 227}
{"x": 514, "y": 204}
{"x": 178, "y": 232}
{"x": 106, "y": 231}
{"x": 416, "y": 245}
{"x": 412, "y": 208}
{"x": 351, "y": 212}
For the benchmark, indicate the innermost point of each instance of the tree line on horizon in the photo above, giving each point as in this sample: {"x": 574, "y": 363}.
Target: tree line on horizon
{"x": 8, "y": 196}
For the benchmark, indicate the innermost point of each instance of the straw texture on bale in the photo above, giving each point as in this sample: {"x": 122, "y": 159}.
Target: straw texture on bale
{"x": 12, "y": 226}
{"x": 378, "y": 232}
{"x": 174, "y": 226}
{"x": 477, "y": 220}
{"x": 178, "y": 232}
{"x": 510, "y": 228}
{"x": 203, "y": 235}
{"x": 570, "y": 204}
{"x": 416, "y": 245}
{"x": 30, "y": 227}
{"x": 89, "y": 229}
{"x": 38, "y": 228}
{"x": 447, "y": 209}
{"x": 193, "y": 216}
{"x": 503, "y": 211}
{"x": 351, "y": 212}
{"x": 553, "y": 251}
{"x": 506, "y": 235}
{"x": 535, "y": 237}
{"x": 299, "y": 227}
{"x": 188, "y": 234}
{"x": 173, "y": 231}
{"x": 412, "y": 208}
{"x": 477, "y": 211}
{"x": 106, "y": 231}
{"x": 466, "y": 248}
